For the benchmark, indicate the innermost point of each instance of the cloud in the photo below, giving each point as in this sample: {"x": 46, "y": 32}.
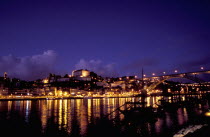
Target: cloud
{"x": 194, "y": 65}
{"x": 141, "y": 63}
{"x": 97, "y": 66}
{"x": 204, "y": 61}
{"x": 29, "y": 67}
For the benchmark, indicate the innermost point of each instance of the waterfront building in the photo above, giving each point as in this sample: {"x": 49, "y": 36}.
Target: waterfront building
{"x": 3, "y": 90}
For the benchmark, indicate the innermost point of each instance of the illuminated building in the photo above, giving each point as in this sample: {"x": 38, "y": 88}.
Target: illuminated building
{"x": 81, "y": 74}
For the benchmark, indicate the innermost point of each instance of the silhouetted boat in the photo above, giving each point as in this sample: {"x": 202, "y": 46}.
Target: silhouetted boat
{"x": 136, "y": 112}
{"x": 169, "y": 106}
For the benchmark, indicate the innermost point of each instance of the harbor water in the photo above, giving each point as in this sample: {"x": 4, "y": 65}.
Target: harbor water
{"x": 79, "y": 117}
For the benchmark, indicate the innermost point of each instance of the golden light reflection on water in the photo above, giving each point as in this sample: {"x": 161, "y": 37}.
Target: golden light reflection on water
{"x": 44, "y": 114}
{"x": 28, "y": 110}
{"x": 83, "y": 118}
{"x": 60, "y": 112}
{"x": 21, "y": 105}
{"x": 55, "y": 109}
{"x": 70, "y": 113}
{"x": 65, "y": 107}
{"x": 96, "y": 110}
{"x": 89, "y": 101}
{"x": 9, "y": 105}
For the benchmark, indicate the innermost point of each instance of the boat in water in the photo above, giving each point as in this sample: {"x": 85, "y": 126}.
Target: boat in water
{"x": 138, "y": 112}
{"x": 167, "y": 105}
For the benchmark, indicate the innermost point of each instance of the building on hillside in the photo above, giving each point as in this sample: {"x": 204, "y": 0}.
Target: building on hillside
{"x": 118, "y": 84}
{"x": 103, "y": 84}
{"x": 82, "y": 74}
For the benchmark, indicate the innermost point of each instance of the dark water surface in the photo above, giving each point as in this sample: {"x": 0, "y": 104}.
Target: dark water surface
{"x": 80, "y": 117}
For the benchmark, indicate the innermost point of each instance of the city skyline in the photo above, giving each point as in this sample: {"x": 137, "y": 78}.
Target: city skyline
{"x": 113, "y": 38}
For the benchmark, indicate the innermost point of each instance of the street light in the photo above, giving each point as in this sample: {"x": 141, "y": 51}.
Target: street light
{"x": 202, "y": 68}
{"x": 175, "y": 71}
{"x": 153, "y": 74}
{"x": 164, "y": 72}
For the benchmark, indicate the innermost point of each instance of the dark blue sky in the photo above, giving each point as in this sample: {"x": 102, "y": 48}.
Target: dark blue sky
{"x": 116, "y": 37}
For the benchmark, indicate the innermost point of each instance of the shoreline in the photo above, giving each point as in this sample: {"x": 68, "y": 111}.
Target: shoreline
{"x": 56, "y": 98}
{"x": 16, "y": 98}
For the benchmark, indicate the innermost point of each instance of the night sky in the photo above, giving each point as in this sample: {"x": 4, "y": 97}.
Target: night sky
{"x": 112, "y": 38}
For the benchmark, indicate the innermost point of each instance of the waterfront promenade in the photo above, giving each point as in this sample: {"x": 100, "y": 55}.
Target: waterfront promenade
{"x": 50, "y": 97}
{"x": 21, "y": 97}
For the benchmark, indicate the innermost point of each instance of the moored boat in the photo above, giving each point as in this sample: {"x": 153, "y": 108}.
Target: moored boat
{"x": 138, "y": 113}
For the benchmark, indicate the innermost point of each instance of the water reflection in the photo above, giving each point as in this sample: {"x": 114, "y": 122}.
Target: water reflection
{"x": 74, "y": 115}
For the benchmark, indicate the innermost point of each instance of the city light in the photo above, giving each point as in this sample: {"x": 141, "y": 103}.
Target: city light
{"x": 112, "y": 85}
{"x": 50, "y": 93}
{"x": 45, "y": 81}
{"x": 207, "y": 114}
{"x": 202, "y": 68}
